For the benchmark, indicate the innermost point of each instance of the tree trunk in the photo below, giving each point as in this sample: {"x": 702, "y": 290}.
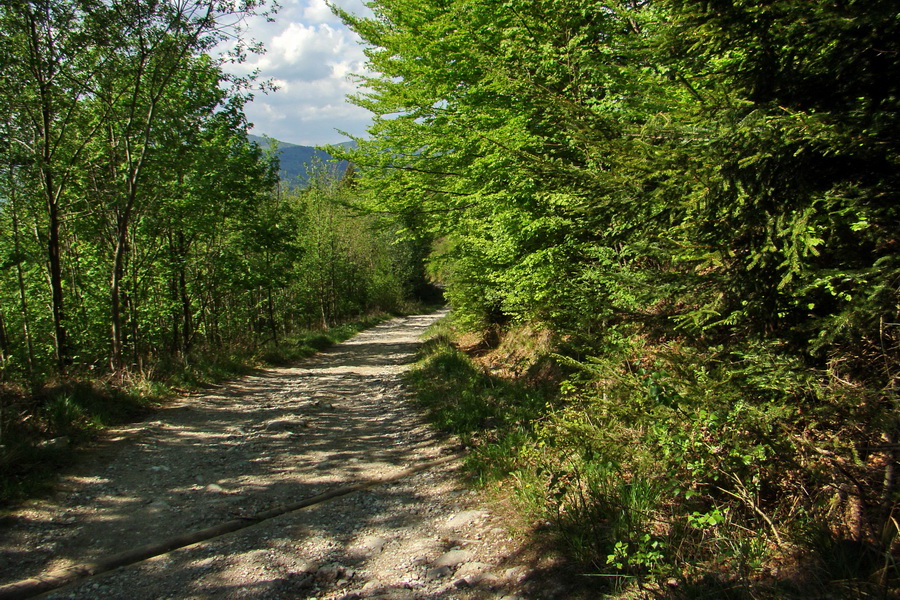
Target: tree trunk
{"x": 43, "y": 74}
{"x": 175, "y": 318}
{"x": 55, "y": 267}
{"x": 4, "y": 341}
{"x": 131, "y": 304}
{"x": 271, "y": 310}
{"x": 118, "y": 271}
{"x": 187, "y": 322}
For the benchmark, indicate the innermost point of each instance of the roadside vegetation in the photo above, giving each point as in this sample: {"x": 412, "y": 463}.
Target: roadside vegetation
{"x": 651, "y": 495}
{"x": 697, "y": 202}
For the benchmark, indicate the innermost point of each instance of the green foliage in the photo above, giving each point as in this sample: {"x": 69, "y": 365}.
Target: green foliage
{"x": 64, "y": 415}
{"x": 493, "y": 416}
{"x": 700, "y": 200}
{"x": 668, "y": 469}
{"x": 130, "y": 187}
{"x": 145, "y": 241}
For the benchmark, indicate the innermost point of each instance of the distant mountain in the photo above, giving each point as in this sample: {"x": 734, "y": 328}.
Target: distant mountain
{"x": 297, "y": 163}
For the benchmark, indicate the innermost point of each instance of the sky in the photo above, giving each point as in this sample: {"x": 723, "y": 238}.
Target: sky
{"x": 310, "y": 56}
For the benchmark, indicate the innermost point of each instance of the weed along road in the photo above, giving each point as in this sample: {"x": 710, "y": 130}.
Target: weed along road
{"x": 319, "y": 480}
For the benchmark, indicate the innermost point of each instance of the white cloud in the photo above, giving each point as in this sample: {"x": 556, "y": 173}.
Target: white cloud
{"x": 272, "y": 113}
{"x": 317, "y": 11}
{"x": 309, "y": 55}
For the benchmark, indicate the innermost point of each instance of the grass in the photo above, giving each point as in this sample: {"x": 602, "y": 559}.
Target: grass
{"x": 660, "y": 478}
{"x": 491, "y": 415}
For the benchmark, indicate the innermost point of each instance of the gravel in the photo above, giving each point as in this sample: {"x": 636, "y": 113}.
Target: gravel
{"x": 269, "y": 440}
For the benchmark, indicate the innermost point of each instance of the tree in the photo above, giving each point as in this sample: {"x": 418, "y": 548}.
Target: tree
{"x": 43, "y": 82}
{"x": 156, "y": 85}
{"x": 519, "y": 150}
{"x": 97, "y": 96}
{"x": 710, "y": 184}
{"x": 92, "y": 88}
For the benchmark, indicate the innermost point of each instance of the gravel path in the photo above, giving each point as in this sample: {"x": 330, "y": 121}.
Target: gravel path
{"x": 270, "y": 440}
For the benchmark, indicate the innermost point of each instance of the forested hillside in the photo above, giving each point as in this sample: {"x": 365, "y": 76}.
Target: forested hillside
{"x": 693, "y": 208}
{"x": 142, "y": 236}
{"x": 298, "y": 164}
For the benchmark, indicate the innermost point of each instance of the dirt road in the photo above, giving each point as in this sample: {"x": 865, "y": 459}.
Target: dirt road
{"x": 265, "y": 441}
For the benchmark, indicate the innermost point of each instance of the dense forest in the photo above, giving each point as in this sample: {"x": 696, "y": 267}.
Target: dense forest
{"x": 138, "y": 221}
{"x": 146, "y": 244}
{"x": 690, "y": 210}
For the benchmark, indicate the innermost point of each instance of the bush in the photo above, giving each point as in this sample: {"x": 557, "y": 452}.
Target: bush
{"x": 686, "y": 470}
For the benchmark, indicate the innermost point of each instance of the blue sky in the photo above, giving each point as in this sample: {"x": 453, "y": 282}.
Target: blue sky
{"x": 310, "y": 56}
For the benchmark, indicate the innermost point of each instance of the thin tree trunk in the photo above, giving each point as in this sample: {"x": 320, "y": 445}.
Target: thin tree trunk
{"x": 44, "y": 125}
{"x": 187, "y": 323}
{"x": 271, "y": 308}
{"x": 55, "y": 265}
{"x": 187, "y": 320}
{"x": 175, "y": 314}
{"x": 131, "y": 303}
{"x": 118, "y": 271}
{"x": 322, "y": 309}
{"x": 4, "y": 341}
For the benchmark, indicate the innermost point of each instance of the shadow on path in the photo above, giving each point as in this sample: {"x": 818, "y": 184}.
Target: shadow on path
{"x": 263, "y": 441}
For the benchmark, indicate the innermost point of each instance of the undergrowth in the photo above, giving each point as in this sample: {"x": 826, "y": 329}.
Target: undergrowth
{"x": 675, "y": 472}
{"x": 39, "y": 431}
{"x": 494, "y": 417}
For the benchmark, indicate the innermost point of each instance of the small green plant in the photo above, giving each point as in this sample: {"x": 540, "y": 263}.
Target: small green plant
{"x": 65, "y": 416}
{"x": 677, "y": 470}
{"x": 606, "y": 517}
